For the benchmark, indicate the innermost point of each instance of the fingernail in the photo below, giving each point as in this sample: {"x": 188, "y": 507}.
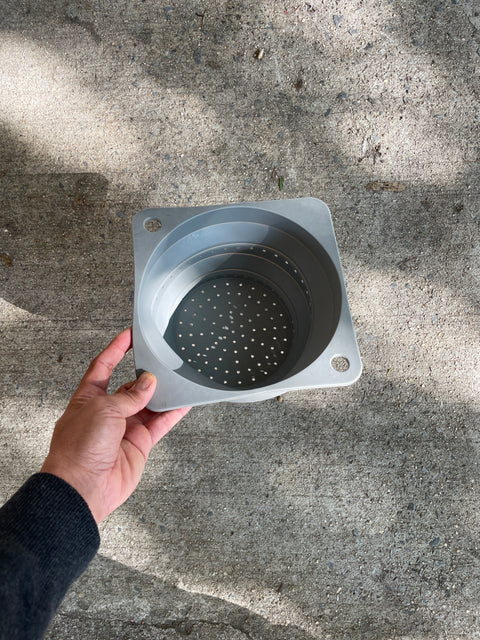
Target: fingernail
{"x": 145, "y": 381}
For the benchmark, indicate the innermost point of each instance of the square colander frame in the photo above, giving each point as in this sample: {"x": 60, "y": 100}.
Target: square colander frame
{"x": 240, "y": 302}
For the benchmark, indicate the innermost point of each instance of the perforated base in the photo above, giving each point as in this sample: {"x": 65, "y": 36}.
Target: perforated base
{"x": 233, "y": 330}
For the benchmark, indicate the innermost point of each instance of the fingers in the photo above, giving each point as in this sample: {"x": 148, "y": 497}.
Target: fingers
{"x": 160, "y": 424}
{"x": 100, "y": 370}
{"x": 133, "y": 397}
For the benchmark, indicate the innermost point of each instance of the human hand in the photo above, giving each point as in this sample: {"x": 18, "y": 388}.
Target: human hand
{"x": 101, "y": 443}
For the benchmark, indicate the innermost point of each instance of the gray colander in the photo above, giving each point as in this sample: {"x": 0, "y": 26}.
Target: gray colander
{"x": 240, "y": 302}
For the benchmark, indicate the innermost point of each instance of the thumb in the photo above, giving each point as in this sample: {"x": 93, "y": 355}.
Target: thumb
{"x": 134, "y": 396}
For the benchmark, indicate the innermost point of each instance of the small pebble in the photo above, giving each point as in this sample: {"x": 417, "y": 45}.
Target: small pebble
{"x": 337, "y": 19}
{"x": 197, "y": 56}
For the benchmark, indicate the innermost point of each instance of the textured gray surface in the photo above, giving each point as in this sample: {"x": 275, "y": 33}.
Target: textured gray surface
{"x": 332, "y": 514}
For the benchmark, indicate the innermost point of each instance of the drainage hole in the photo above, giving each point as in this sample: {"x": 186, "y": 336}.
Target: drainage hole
{"x": 153, "y": 225}
{"x": 340, "y": 364}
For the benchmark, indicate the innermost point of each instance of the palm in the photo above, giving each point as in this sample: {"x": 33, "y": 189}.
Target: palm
{"x": 132, "y": 455}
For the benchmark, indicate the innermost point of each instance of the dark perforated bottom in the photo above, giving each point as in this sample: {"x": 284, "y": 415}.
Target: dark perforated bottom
{"x": 233, "y": 330}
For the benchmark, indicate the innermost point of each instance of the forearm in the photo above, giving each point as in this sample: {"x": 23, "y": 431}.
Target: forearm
{"x": 47, "y": 539}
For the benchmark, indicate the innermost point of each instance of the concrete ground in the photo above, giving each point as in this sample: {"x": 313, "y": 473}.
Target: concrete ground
{"x": 348, "y": 513}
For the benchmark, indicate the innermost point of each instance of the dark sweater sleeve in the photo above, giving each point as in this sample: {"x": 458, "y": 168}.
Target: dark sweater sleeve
{"x": 48, "y": 537}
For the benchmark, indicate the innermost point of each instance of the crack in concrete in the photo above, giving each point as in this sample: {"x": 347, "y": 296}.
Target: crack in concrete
{"x": 183, "y": 626}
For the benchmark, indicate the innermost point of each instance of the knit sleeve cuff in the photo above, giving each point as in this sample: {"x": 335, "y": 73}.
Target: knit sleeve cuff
{"x": 52, "y": 521}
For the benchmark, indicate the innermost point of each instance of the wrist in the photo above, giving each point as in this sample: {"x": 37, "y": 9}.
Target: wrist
{"x": 77, "y": 481}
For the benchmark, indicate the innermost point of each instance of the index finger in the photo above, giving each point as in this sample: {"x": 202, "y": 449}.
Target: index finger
{"x": 100, "y": 370}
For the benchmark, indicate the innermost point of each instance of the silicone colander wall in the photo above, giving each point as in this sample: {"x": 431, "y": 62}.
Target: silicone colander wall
{"x": 236, "y": 299}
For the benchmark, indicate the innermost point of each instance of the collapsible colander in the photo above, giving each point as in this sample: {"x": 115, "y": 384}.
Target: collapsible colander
{"x": 240, "y": 302}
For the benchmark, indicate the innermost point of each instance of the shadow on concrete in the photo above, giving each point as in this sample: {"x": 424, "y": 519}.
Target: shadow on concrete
{"x": 264, "y": 124}
{"x": 112, "y": 600}
{"x": 360, "y": 516}
{"x": 355, "y": 519}
{"x": 361, "y": 513}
